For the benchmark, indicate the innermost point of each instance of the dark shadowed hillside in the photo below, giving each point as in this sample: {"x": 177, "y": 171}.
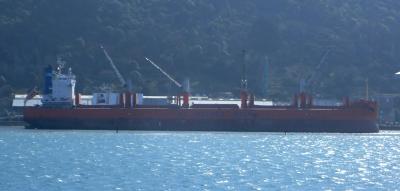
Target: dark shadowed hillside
{"x": 285, "y": 40}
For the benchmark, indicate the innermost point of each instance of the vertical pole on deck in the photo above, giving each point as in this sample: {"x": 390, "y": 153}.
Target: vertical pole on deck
{"x": 366, "y": 89}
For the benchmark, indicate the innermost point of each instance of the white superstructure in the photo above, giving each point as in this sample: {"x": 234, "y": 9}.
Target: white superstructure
{"x": 62, "y": 88}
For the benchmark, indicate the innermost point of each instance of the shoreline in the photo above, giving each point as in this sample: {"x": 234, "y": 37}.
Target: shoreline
{"x": 12, "y": 123}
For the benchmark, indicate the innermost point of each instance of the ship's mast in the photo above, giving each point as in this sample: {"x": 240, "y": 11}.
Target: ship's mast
{"x": 366, "y": 89}
{"x": 244, "y": 96}
{"x": 244, "y": 72}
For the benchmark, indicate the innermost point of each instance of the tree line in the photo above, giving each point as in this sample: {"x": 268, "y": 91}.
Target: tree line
{"x": 285, "y": 42}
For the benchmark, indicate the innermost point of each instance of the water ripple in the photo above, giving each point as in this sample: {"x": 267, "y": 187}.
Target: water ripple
{"x": 104, "y": 160}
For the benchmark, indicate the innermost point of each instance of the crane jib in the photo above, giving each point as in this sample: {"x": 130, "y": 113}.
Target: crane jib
{"x": 163, "y": 72}
{"x": 121, "y": 79}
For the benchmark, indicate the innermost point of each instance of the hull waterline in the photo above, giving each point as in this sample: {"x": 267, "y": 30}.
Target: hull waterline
{"x": 234, "y": 120}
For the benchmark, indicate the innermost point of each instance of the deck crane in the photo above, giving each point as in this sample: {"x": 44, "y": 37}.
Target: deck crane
{"x": 127, "y": 98}
{"x": 307, "y": 85}
{"x": 185, "y": 87}
{"x": 163, "y": 72}
{"x": 121, "y": 79}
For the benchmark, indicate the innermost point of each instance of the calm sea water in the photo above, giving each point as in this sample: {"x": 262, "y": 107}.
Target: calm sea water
{"x": 105, "y": 160}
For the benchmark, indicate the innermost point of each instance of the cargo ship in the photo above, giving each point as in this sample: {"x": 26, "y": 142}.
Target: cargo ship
{"x": 62, "y": 109}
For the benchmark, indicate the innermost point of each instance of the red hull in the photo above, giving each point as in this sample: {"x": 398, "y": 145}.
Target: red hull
{"x": 276, "y": 119}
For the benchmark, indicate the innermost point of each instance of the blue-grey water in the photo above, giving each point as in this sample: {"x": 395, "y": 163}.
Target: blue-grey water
{"x": 105, "y": 160}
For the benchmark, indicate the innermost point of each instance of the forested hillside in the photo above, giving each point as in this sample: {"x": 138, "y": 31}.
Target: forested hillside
{"x": 285, "y": 41}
